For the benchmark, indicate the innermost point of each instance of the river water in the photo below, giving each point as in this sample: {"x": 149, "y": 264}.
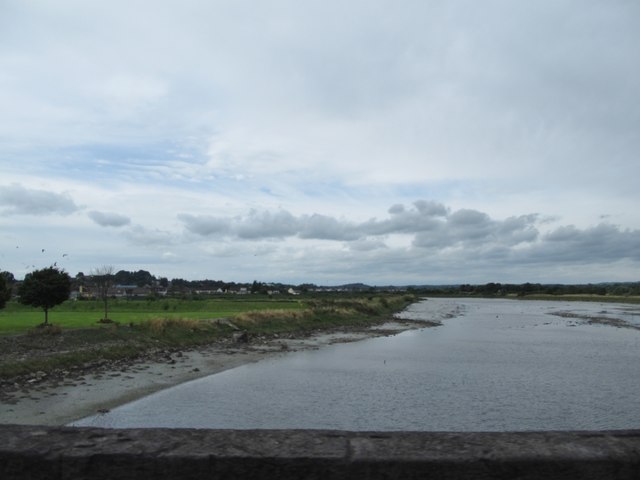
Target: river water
{"x": 493, "y": 365}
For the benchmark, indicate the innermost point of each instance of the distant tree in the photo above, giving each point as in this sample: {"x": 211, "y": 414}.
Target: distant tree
{"x": 103, "y": 279}
{"x": 45, "y": 289}
{"x": 6, "y": 279}
{"x": 139, "y": 278}
{"x": 307, "y": 287}
{"x": 8, "y": 276}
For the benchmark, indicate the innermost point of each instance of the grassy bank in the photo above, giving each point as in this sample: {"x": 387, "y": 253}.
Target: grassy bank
{"x": 17, "y": 318}
{"x": 48, "y": 350}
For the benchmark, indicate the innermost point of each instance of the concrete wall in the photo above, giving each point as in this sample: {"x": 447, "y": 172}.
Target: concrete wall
{"x": 156, "y": 454}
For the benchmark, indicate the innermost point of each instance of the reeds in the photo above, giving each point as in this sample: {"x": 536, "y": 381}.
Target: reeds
{"x": 160, "y": 325}
{"x": 255, "y": 317}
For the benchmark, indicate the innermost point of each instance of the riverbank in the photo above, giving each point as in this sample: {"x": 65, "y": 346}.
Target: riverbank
{"x": 60, "y": 399}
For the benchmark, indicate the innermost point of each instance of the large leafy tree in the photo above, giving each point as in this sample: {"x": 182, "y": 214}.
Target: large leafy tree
{"x": 45, "y": 289}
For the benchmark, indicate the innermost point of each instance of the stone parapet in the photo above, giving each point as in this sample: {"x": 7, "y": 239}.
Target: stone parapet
{"x": 157, "y": 454}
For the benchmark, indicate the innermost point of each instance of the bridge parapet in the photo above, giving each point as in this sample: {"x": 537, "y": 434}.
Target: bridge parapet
{"x": 95, "y": 454}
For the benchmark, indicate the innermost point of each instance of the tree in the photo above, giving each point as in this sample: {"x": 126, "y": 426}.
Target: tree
{"x": 103, "y": 279}
{"x": 139, "y": 278}
{"x": 6, "y": 279}
{"x": 255, "y": 286}
{"x": 45, "y": 289}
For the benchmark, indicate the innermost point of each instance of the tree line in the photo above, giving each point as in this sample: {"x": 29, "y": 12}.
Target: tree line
{"x": 523, "y": 289}
{"x": 48, "y": 287}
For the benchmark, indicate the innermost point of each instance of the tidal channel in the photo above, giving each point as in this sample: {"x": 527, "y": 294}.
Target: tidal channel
{"x": 493, "y": 365}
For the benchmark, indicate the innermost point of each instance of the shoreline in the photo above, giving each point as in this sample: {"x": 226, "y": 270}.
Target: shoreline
{"x": 60, "y": 402}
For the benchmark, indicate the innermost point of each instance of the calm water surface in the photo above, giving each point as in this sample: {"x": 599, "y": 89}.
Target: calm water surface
{"x": 493, "y": 365}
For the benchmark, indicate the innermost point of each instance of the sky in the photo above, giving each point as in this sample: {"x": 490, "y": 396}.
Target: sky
{"x": 322, "y": 141}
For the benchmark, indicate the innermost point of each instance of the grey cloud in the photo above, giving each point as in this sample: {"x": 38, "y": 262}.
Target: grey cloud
{"x": 18, "y": 200}
{"x": 431, "y": 209}
{"x": 143, "y": 236}
{"x": 471, "y": 225}
{"x": 460, "y": 245}
{"x": 471, "y": 228}
{"x": 465, "y": 218}
{"x": 601, "y": 243}
{"x": 565, "y": 253}
{"x": 367, "y": 245}
{"x": 108, "y": 219}
{"x": 563, "y": 234}
{"x": 424, "y": 217}
{"x": 396, "y": 209}
{"x": 444, "y": 237}
{"x": 322, "y": 227}
{"x": 430, "y": 222}
{"x": 263, "y": 225}
{"x": 520, "y": 229}
{"x": 254, "y": 226}
{"x": 267, "y": 225}
{"x": 436, "y": 239}
{"x": 206, "y": 225}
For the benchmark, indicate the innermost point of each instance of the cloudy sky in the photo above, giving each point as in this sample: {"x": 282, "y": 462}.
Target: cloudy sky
{"x": 426, "y": 141}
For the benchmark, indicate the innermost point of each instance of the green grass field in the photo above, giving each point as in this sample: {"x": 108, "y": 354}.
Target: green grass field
{"x": 16, "y": 318}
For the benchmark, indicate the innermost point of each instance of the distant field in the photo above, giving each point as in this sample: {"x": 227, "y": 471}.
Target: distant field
{"x": 17, "y": 318}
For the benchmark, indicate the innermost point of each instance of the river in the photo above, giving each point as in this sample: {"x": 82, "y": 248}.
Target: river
{"x": 493, "y": 365}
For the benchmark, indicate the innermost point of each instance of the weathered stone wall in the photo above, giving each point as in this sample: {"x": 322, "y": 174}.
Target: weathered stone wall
{"x": 155, "y": 454}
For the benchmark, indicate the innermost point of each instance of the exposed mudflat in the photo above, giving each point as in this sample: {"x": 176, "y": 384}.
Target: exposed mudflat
{"x": 59, "y": 398}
